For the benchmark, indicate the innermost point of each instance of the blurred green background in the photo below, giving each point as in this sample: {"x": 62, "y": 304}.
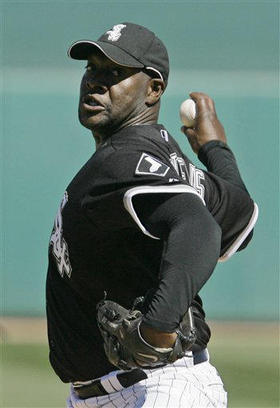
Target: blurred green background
{"x": 245, "y": 355}
{"x": 227, "y": 49}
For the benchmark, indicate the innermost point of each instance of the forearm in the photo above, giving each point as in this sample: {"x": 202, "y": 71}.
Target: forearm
{"x": 192, "y": 247}
{"x": 219, "y": 159}
{"x": 191, "y": 254}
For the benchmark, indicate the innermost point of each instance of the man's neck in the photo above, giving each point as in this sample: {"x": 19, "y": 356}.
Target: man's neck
{"x": 100, "y": 136}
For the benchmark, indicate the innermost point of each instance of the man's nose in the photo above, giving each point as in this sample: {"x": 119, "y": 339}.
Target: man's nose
{"x": 96, "y": 85}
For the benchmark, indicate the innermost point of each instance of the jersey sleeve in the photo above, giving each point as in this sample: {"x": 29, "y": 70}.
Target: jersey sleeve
{"x": 125, "y": 175}
{"x": 219, "y": 159}
{"x": 231, "y": 204}
{"x": 191, "y": 250}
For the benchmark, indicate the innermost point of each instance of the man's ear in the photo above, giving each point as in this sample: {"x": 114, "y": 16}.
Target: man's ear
{"x": 155, "y": 90}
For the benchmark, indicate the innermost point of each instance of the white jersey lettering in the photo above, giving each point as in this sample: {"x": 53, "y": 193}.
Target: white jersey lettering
{"x": 193, "y": 175}
{"x": 58, "y": 243}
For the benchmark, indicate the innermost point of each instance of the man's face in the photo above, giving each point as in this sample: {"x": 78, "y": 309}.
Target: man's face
{"x": 111, "y": 95}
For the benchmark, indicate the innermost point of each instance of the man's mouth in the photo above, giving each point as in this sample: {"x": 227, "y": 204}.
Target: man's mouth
{"x": 93, "y": 103}
{"x": 90, "y": 103}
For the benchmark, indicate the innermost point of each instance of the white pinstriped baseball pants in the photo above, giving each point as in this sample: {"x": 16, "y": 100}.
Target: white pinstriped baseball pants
{"x": 177, "y": 385}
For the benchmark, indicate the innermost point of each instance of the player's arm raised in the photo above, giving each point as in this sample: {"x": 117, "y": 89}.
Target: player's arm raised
{"x": 208, "y": 140}
{"x": 207, "y": 125}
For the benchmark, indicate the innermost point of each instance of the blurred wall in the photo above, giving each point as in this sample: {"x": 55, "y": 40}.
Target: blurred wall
{"x": 226, "y": 49}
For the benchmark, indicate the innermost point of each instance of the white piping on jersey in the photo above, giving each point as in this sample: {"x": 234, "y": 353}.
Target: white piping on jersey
{"x": 241, "y": 238}
{"x": 127, "y": 199}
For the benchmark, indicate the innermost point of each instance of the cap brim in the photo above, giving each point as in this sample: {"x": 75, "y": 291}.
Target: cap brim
{"x": 80, "y": 50}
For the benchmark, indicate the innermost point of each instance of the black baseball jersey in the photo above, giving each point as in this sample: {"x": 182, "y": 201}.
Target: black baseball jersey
{"x": 139, "y": 217}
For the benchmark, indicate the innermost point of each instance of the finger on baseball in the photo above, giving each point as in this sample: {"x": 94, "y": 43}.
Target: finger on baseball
{"x": 203, "y": 102}
{"x": 189, "y": 132}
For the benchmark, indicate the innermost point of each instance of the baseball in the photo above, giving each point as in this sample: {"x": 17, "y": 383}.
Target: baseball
{"x": 188, "y": 112}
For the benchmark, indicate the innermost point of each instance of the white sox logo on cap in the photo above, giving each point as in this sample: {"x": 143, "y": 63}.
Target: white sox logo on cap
{"x": 130, "y": 45}
{"x": 115, "y": 33}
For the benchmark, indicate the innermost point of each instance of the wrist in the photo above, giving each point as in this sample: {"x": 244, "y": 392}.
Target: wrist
{"x": 207, "y": 147}
{"x": 157, "y": 338}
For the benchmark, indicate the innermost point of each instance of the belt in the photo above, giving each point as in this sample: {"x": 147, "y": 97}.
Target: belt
{"x": 116, "y": 382}
{"x": 109, "y": 383}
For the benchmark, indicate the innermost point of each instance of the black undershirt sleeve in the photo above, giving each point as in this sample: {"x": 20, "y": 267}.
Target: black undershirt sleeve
{"x": 219, "y": 159}
{"x": 192, "y": 242}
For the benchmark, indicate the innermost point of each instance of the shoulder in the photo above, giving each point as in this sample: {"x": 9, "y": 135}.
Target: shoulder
{"x": 152, "y": 136}
{"x": 138, "y": 148}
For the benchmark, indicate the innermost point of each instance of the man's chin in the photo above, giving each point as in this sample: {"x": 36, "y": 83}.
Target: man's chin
{"x": 92, "y": 122}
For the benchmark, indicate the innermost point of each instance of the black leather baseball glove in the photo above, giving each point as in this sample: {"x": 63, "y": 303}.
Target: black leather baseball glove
{"x": 124, "y": 346}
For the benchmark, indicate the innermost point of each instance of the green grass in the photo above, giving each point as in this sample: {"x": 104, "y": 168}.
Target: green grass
{"x": 249, "y": 370}
{"x": 27, "y": 379}
{"x": 250, "y": 374}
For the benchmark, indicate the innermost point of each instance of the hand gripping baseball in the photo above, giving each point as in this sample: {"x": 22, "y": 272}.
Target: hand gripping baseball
{"x": 207, "y": 126}
{"x": 124, "y": 346}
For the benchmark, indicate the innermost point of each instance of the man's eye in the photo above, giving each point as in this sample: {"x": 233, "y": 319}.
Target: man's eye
{"x": 90, "y": 68}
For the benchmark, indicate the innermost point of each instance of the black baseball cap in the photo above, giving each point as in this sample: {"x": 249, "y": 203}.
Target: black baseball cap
{"x": 130, "y": 45}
